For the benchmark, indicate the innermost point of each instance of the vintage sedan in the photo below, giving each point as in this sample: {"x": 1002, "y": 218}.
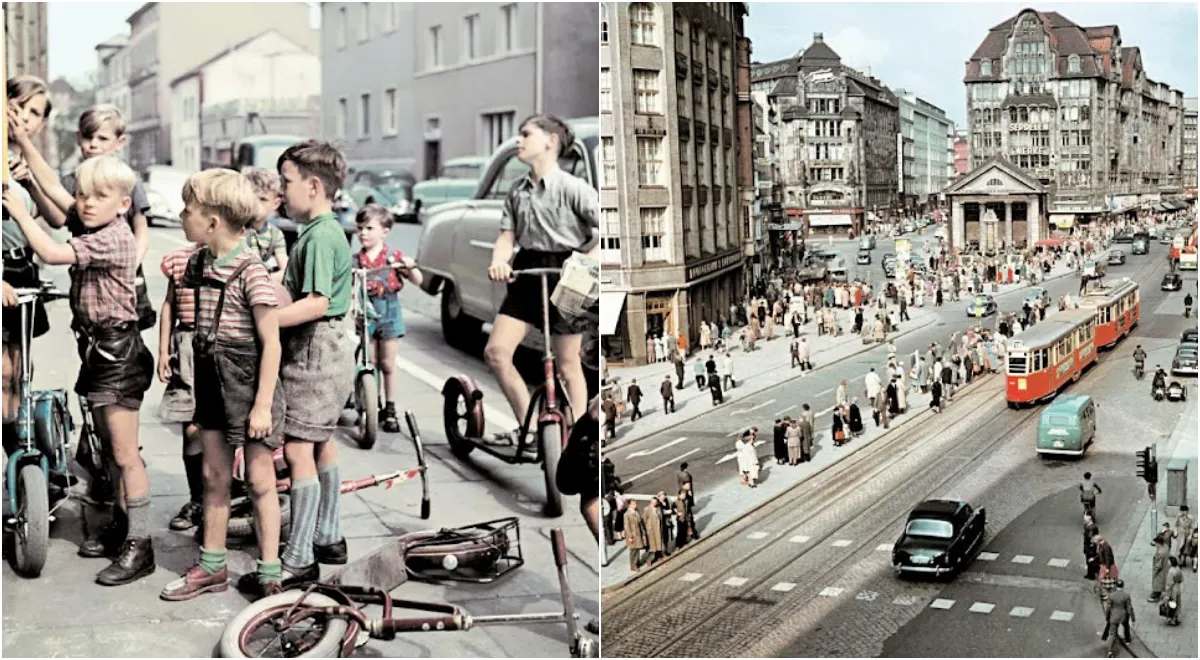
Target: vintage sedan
{"x": 1116, "y": 257}
{"x": 864, "y": 257}
{"x": 1172, "y": 282}
{"x": 457, "y": 238}
{"x": 1184, "y": 362}
{"x": 940, "y": 537}
{"x": 981, "y": 305}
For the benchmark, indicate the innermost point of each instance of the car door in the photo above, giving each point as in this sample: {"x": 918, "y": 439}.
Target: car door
{"x": 477, "y": 233}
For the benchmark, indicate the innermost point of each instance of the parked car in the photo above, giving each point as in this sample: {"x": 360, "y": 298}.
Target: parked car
{"x": 1184, "y": 362}
{"x": 1116, "y": 257}
{"x": 458, "y": 237}
{"x": 1172, "y": 282}
{"x": 164, "y": 190}
{"x": 1035, "y": 295}
{"x": 1189, "y": 336}
{"x": 981, "y": 305}
{"x": 343, "y": 207}
{"x": 457, "y": 180}
{"x": 940, "y": 537}
{"x": 1123, "y": 238}
{"x": 261, "y": 150}
{"x": 388, "y": 182}
{"x": 1165, "y": 238}
{"x": 864, "y": 257}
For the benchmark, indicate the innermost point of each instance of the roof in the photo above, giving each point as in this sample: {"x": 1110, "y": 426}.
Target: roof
{"x": 1053, "y": 328}
{"x": 1030, "y": 100}
{"x": 994, "y": 162}
{"x": 230, "y": 49}
{"x": 942, "y": 508}
{"x": 1067, "y": 403}
{"x": 819, "y": 54}
{"x": 119, "y": 40}
{"x": 772, "y": 70}
{"x": 61, "y": 86}
{"x": 785, "y": 87}
{"x": 1091, "y": 45}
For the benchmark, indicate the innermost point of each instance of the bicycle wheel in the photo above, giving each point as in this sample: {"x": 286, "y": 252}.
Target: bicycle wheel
{"x": 253, "y": 633}
{"x": 32, "y": 538}
{"x": 550, "y": 436}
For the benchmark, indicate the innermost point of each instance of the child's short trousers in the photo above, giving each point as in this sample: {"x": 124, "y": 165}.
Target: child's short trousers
{"x": 317, "y": 373}
{"x": 226, "y": 386}
{"x": 116, "y": 366}
{"x": 389, "y": 321}
{"x": 178, "y": 401}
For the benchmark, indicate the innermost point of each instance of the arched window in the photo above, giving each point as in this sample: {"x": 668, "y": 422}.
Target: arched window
{"x": 985, "y": 67}
{"x": 1012, "y": 115}
{"x": 643, "y": 20}
{"x": 1023, "y": 115}
{"x": 1073, "y": 64}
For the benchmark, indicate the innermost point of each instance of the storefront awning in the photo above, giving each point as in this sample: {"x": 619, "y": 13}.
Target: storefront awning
{"x": 612, "y": 303}
{"x": 831, "y": 220}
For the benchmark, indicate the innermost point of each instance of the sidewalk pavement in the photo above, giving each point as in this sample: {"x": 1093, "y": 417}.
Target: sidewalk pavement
{"x": 730, "y": 501}
{"x": 768, "y": 365}
{"x": 1151, "y": 629}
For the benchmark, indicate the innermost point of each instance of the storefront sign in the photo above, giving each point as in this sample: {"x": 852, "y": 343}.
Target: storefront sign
{"x": 831, "y": 220}
{"x": 786, "y": 226}
{"x": 710, "y": 267}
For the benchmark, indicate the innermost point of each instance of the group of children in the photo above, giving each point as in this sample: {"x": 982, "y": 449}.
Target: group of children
{"x": 254, "y": 345}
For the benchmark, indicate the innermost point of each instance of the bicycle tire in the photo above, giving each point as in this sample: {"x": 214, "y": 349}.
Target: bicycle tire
{"x": 30, "y": 548}
{"x": 550, "y": 437}
{"x": 261, "y": 612}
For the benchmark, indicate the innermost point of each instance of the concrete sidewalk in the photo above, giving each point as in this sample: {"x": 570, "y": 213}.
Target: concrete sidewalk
{"x": 729, "y": 501}
{"x": 1136, "y": 566}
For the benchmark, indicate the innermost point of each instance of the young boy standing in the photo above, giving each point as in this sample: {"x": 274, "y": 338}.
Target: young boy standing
{"x": 383, "y": 287}
{"x": 116, "y": 365}
{"x": 263, "y": 235}
{"x": 317, "y": 371}
{"x": 239, "y": 400}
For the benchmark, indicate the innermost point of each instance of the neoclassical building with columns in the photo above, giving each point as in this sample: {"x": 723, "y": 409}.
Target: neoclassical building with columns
{"x": 996, "y": 206}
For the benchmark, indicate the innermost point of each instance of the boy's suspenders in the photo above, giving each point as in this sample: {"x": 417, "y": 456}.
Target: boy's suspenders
{"x": 198, "y": 280}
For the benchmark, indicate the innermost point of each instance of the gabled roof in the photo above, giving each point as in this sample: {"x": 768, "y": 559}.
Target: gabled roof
{"x": 773, "y": 70}
{"x": 819, "y": 55}
{"x": 1066, "y": 39}
{"x": 235, "y": 47}
{"x": 995, "y": 163}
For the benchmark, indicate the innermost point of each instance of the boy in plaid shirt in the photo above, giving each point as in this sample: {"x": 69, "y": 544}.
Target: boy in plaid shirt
{"x": 116, "y": 365}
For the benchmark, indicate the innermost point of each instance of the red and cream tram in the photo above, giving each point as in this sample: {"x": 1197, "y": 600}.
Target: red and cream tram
{"x": 1118, "y": 308}
{"x": 1045, "y": 358}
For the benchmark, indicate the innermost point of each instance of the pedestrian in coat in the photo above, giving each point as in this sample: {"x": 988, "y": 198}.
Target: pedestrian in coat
{"x": 1172, "y": 598}
{"x": 660, "y": 348}
{"x": 653, "y": 521}
{"x": 684, "y": 479}
{"x": 706, "y": 335}
{"x": 677, "y": 358}
{"x": 634, "y": 395}
{"x": 668, "y": 395}
{"x": 805, "y": 426}
{"x": 1185, "y": 527}
{"x": 837, "y": 428}
{"x": 874, "y": 386}
{"x": 880, "y": 328}
{"x": 935, "y": 396}
{"x": 714, "y": 387}
{"x": 1109, "y": 572}
{"x": 882, "y": 418}
{"x": 1118, "y": 612}
{"x": 854, "y": 419}
{"x": 780, "y": 442}
{"x": 902, "y": 392}
{"x": 840, "y": 397}
{"x": 747, "y": 457}
{"x": 803, "y": 355}
{"x": 651, "y": 350}
{"x": 698, "y": 372}
{"x": 792, "y": 441}
{"x": 1090, "y": 530}
{"x": 1159, "y": 566}
{"x": 893, "y": 397}
{"x": 635, "y": 535}
{"x": 666, "y": 509}
{"x": 726, "y": 370}
{"x": 685, "y": 522}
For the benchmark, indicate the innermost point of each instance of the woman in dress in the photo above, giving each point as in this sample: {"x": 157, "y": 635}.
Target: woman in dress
{"x": 747, "y": 457}
{"x": 855, "y": 421}
{"x": 935, "y": 396}
{"x": 838, "y": 430}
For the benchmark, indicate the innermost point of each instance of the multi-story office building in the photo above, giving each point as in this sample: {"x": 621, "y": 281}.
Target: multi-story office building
{"x": 962, "y": 153}
{"x": 677, "y": 192}
{"x": 1188, "y": 148}
{"x": 1073, "y": 107}
{"x": 169, "y": 38}
{"x": 928, "y": 150}
{"x": 25, "y": 39}
{"x": 839, "y": 143}
{"x": 460, "y": 76}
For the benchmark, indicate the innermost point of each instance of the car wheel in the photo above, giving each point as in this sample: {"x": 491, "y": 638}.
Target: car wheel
{"x": 459, "y": 330}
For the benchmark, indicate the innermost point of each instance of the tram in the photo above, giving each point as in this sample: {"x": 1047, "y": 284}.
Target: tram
{"x": 1045, "y": 358}
{"x": 1118, "y": 308}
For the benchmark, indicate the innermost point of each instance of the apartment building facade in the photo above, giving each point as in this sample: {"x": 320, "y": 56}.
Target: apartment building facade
{"x": 928, "y": 158}
{"x": 1188, "y": 148}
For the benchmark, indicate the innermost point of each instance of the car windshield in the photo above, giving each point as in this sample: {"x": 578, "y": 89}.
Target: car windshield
{"x": 938, "y": 529}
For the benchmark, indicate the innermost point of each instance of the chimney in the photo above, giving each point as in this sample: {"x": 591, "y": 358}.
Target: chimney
{"x": 818, "y": 38}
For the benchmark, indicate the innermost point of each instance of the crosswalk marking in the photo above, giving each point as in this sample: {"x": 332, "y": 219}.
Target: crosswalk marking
{"x": 988, "y": 556}
{"x": 1022, "y": 559}
{"x": 735, "y": 581}
{"x": 784, "y": 586}
{"x": 799, "y": 539}
{"x": 1059, "y": 563}
{"x": 982, "y": 608}
{"x": 841, "y": 543}
{"x": 1021, "y": 612}
{"x": 691, "y": 577}
{"x": 1059, "y": 615}
{"x": 754, "y": 536}
{"x": 832, "y": 592}
{"x": 942, "y": 604}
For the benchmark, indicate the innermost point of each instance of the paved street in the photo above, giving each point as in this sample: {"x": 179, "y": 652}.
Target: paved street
{"x": 807, "y": 573}
{"x": 112, "y": 622}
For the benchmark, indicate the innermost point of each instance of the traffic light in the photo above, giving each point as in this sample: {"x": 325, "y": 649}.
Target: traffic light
{"x": 1147, "y": 468}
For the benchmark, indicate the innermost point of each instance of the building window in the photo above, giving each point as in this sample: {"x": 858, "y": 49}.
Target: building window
{"x": 364, "y": 22}
{"x": 390, "y": 112}
{"x": 649, "y": 152}
{"x": 364, "y": 126}
{"x": 605, "y": 89}
{"x": 1073, "y": 64}
{"x": 644, "y": 28}
{"x": 435, "y": 46}
{"x": 471, "y": 37}
{"x": 508, "y": 29}
{"x": 343, "y": 27}
{"x": 389, "y": 17}
{"x": 645, "y": 92}
{"x": 653, "y": 240}
{"x": 342, "y": 118}
{"x": 608, "y": 162}
{"x": 985, "y": 67}
{"x": 497, "y": 127}
{"x": 603, "y": 23}
{"x": 610, "y": 236}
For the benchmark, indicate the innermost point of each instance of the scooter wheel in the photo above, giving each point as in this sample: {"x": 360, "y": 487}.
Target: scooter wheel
{"x": 319, "y": 636}
{"x": 367, "y": 391}
{"x": 32, "y": 538}
{"x": 456, "y": 415}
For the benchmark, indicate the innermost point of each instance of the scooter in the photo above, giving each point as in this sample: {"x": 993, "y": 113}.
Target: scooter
{"x": 1159, "y": 392}
{"x": 1139, "y": 371}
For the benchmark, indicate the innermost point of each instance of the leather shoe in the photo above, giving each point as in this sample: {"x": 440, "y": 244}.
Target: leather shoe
{"x": 256, "y": 589}
{"x": 250, "y": 585}
{"x": 135, "y": 562}
{"x": 108, "y": 542}
{"x": 195, "y": 582}
{"x": 334, "y": 553}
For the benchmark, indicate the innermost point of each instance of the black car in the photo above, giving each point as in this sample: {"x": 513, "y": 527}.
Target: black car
{"x": 864, "y": 257}
{"x": 1141, "y": 245}
{"x": 1172, "y": 282}
{"x": 940, "y": 537}
{"x": 1189, "y": 336}
{"x": 1123, "y": 238}
{"x": 1116, "y": 258}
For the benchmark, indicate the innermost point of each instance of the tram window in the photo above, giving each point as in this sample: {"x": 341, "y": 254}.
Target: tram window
{"x": 1017, "y": 366}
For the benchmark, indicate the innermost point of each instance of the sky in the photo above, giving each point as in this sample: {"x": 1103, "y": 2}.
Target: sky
{"x": 923, "y": 47}
{"x": 74, "y": 29}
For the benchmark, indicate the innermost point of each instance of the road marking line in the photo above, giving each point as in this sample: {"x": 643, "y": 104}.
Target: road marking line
{"x": 691, "y": 577}
{"x": 1059, "y": 615}
{"x": 786, "y": 409}
{"x": 657, "y": 449}
{"x": 729, "y": 457}
{"x": 754, "y": 536}
{"x": 673, "y": 461}
{"x": 905, "y": 600}
{"x": 842, "y": 543}
{"x": 1022, "y": 559}
{"x": 1021, "y": 612}
{"x": 831, "y": 592}
{"x": 942, "y": 604}
{"x": 1059, "y": 563}
{"x": 784, "y": 587}
{"x": 799, "y": 539}
{"x": 503, "y": 417}
{"x": 737, "y": 432}
{"x": 753, "y": 408}
{"x": 883, "y": 547}
{"x": 868, "y": 596}
{"x": 982, "y": 608}
{"x": 735, "y": 581}
{"x": 988, "y": 556}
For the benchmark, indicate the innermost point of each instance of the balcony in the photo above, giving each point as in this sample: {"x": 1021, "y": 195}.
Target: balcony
{"x": 714, "y": 134}
{"x": 702, "y": 195}
{"x": 700, "y": 133}
{"x": 728, "y": 134}
{"x": 685, "y": 129}
{"x": 697, "y": 75}
{"x": 713, "y": 79}
{"x": 685, "y": 195}
{"x": 681, "y": 66}
{"x": 716, "y": 195}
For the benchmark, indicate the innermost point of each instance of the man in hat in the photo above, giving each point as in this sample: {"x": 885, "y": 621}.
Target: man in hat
{"x": 668, "y": 395}
{"x": 634, "y": 394}
{"x": 1119, "y": 612}
{"x": 635, "y": 532}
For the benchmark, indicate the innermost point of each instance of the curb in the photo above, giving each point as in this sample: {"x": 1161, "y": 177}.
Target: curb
{"x": 709, "y": 534}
